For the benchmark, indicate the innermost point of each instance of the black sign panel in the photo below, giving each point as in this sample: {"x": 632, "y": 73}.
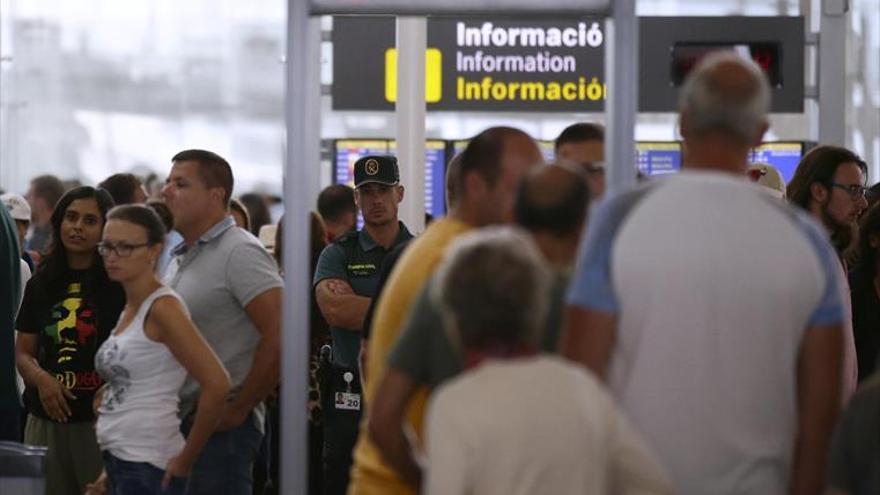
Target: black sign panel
{"x": 475, "y": 64}
{"x": 671, "y": 46}
{"x": 490, "y": 65}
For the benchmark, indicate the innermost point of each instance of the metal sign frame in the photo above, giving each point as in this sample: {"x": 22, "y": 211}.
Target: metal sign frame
{"x": 302, "y": 119}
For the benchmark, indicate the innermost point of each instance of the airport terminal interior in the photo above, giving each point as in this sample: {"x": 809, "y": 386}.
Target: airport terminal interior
{"x": 361, "y": 247}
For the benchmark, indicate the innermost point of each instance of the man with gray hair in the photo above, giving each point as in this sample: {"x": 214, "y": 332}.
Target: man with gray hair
{"x": 726, "y": 354}
{"x": 492, "y": 290}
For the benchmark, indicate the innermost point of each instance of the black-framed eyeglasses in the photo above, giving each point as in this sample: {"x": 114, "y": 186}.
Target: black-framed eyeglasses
{"x": 122, "y": 249}
{"x": 855, "y": 191}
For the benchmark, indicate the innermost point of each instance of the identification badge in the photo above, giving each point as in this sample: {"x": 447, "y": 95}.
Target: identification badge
{"x": 348, "y": 401}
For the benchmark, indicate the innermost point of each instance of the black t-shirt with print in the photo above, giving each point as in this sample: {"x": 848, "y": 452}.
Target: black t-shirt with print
{"x": 70, "y": 328}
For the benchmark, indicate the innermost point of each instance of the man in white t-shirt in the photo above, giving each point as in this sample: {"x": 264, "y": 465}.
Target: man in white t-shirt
{"x": 488, "y": 429}
{"x": 715, "y": 311}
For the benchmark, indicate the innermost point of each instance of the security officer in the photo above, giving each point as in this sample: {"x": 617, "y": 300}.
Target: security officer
{"x": 345, "y": 282}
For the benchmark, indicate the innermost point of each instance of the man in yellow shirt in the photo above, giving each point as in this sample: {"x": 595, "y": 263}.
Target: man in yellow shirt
{"x": 491, "y": 167}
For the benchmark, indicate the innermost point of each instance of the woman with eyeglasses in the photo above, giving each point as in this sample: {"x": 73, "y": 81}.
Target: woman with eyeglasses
{"x": 69, "y": 308}
{"x": 145, "y": 361}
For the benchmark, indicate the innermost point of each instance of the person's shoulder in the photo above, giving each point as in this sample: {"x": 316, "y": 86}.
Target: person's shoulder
{"x": 868, "y": 395}
{"x": 39, "y": 281}
{"x": 567, "y": 372}
{"x": 168, "y": 303}
{"x": 457, "y": 390}
{"x": 349, "y": 238}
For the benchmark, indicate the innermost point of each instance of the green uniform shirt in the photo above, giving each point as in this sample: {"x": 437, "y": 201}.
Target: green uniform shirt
{"x": 425, "y": 353}
{"x": 355, "y": 258}
{"x": 10, "y": 274}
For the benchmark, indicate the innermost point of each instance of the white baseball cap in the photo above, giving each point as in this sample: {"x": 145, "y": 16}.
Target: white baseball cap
{"x": 18, "y": 206}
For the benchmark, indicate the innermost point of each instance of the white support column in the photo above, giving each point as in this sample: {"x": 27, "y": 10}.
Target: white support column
{"x": 302, "y": 112}
{"x": 832, "y": 72}
{"x": 621, "y": 105}
{"x": 410, "y": 109}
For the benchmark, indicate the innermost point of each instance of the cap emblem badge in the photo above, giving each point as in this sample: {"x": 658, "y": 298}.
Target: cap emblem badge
{"x": 371, "y": 167}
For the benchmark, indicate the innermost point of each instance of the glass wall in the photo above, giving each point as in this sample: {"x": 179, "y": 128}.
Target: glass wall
{"x": 94, "y": 87}
{"x": 90, "y": 88}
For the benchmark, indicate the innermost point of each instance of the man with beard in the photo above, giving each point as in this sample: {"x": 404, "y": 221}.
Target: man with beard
{"x": 829, "y": 183}
{"x": 345, "y": 283}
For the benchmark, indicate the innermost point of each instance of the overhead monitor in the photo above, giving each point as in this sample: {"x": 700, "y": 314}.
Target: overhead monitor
{"x": 658, "y": 157}
{"x": 686, "y": 55}
{"x": 785, "y": 156}
{"x": 670, "y": 48}
{"x": 348, "y": 151}
{"x": 435, "y": 176}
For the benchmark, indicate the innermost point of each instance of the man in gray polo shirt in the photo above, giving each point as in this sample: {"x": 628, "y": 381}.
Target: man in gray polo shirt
{"x": 232, "y": 289}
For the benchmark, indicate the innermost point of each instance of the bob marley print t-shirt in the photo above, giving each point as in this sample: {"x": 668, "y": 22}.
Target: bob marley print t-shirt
{"x": 70, "y": 328}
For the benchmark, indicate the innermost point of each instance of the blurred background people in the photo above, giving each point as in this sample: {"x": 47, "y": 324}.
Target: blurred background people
{"x": 257, "y": 211}
{"x": 338, "y": 210}
{"x": 240, "y": 214}
{"x": 125, "y": 189}
{"x": 42, "y": 195}
{"x": 583, "y": 145}
{"x": 864, "y": 281}
{"x": 20, "y": 211}
{"x": 768, "y": 176}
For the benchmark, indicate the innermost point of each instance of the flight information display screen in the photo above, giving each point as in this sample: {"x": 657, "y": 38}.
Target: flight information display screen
{"x": 658, "y": 158}
{"x": 435, "y": 176}
{"x": 686, "y": 55}
{"x": 348, "y": 151}
{"x": 785, "y": 156}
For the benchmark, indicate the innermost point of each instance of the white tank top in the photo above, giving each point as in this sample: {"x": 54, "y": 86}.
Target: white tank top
{"x": 137, "y": 419}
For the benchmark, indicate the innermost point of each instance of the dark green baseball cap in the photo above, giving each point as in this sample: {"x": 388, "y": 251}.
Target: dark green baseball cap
{"x": 381, "y": 169}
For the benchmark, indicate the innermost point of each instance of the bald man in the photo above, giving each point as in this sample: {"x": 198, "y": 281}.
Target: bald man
{"x": 724, "y": 353}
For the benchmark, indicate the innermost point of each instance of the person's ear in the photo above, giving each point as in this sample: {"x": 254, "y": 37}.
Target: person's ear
{"x": 759, "y": 138}
{"x": 400, "y": 193}
{"x": 818, "y": 192}
{"x": 155, "y": 252}
{"x": 684, "y": 125}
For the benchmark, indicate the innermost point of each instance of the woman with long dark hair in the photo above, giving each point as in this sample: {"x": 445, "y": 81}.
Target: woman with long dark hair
{"x": 69, "y": 309}
{"x": 145, "y": 361}
{"x": 864, "y": 282}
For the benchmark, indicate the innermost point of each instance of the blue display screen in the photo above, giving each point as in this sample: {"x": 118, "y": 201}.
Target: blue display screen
{"x": 658, "y": 158}
{"x": 435, "y": 176}
{"x": 350, "y": 150}
{"x": 784, "y": 156}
